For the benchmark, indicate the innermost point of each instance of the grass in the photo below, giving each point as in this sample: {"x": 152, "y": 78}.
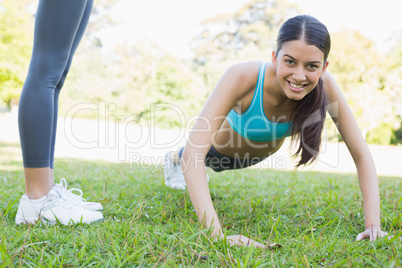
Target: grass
{"x": 315, "y": 217}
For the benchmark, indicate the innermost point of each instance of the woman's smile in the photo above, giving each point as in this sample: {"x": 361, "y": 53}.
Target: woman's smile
{"x": 296, "y": 87}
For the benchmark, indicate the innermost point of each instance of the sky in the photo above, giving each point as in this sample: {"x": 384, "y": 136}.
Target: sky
{"x": 172, "y": 24}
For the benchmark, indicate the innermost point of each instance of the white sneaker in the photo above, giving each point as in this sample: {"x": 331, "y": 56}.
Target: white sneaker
{"x": 77, "y": 199}
{"x": 174, "y": 177}
{"x": 52, "y": 208}
{"x": 173, "y": 174}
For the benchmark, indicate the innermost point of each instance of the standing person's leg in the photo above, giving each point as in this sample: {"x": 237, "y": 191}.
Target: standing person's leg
{"x": 56, "y": 25}
{"x": 77, "y": 199}
{"x": 77, "y": 39}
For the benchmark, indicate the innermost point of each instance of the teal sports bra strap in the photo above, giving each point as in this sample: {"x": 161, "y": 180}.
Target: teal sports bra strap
{"x": 253, "y": 124}
{"x": 260, "y": 86}
{"x": 256, "y": 102}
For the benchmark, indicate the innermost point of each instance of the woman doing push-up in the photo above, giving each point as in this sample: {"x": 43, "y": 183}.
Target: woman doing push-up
{"x": 256, "y": 105}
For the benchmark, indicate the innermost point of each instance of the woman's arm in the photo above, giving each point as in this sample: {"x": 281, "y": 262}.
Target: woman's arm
{"x": 366, "y": 172}
{"x": 233, "y": 85}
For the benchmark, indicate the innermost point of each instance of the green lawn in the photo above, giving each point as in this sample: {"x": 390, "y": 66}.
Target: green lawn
{"x": 315, "y": 217}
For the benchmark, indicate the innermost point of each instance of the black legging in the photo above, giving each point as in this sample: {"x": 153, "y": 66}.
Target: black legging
{"x": 220, "y": 162}
{"x": 59, "y": 27}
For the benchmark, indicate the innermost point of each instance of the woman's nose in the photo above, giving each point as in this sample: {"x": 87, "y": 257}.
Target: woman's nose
{"x": 298, "y": 74}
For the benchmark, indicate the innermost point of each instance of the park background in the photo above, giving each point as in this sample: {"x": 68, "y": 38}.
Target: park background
{"x": 157, "y": 62}
{"x": 143, "y": 67}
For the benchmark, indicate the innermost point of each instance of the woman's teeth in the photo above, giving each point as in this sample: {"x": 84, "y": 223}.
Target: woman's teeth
{"x": 296, "y": 86}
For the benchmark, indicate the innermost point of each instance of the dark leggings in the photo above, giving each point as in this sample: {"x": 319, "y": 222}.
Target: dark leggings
{"x": 220, "y": 162}
{"x": 59, "y": 27}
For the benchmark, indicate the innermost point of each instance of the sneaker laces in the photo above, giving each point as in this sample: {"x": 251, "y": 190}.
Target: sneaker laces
{"x": 61, "y": 201}
{"x": 68, "y": 193}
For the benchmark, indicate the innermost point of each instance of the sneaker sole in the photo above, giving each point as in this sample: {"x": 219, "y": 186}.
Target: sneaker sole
{"x": 46, "y": 222}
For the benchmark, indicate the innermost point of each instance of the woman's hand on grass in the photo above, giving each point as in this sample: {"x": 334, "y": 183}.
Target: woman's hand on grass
{"x": 372, "y": 233}
{"x": 241, "y": 240}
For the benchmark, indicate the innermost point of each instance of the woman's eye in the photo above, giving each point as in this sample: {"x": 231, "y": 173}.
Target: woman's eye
{"x": 312, "y": 66}
{"x": 289, "y": 61}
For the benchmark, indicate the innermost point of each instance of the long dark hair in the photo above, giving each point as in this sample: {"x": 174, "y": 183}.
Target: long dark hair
{"x": 309, "y": 115}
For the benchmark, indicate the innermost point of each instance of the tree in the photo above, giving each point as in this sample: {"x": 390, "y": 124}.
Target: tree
{"x": 253, "y": 25}
{"x": 248, "y": 34}
{"x": 100, "y": 18}
{"x": 15, "y": 47}
{"x": 16, "y": 35}
{"x": 370, "y": 83}
{"x": 140, "y": 79}
{"x": 395, "y": 83}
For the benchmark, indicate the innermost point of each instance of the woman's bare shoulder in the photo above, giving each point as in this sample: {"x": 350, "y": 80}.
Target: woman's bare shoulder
{"x": 244, "y": 75}
{"x": 330, "y": 84}
{"x": 329, "y": 79}
{"x": 245, "y": 70}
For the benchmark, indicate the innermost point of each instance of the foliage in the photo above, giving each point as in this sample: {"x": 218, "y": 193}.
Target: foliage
{"x": 380, "y": 135}
{"x": 248, "y": 34}
{"x": 15, "y": 47}
{"x": 16, "y": 35}
{"x": 100, "y": 19}
{"x": 315, "y": 217}
{"x": 253, "y": 26}
{"x": 396, "y": 137}
{"x": 140, "y": 80}
{"x": 395, "y": 81}
{"x": 370, "y": 81}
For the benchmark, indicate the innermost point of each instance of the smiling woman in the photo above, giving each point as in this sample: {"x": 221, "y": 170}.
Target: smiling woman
{"x": 300, "y": 70}
{"x": 252, "y": 110}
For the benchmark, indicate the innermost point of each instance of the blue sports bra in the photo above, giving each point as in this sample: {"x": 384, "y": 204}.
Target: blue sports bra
{"x": 253, "y": 124}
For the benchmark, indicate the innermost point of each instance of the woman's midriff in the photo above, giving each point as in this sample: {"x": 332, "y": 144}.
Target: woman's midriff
{"x": 231, "y": 143}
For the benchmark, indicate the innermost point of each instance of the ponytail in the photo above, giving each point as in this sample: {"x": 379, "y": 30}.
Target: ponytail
{"x": 308, "y": 123}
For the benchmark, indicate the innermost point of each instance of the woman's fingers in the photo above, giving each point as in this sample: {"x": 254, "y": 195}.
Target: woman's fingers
{"x": 372, "y": 234}
{"x": 361, "y": 236}
{"x": 241, "y": 240}
{"x": 383, "y": 234}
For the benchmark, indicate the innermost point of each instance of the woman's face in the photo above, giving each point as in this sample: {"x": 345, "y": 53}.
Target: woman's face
{"x": 299, "y": 67}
